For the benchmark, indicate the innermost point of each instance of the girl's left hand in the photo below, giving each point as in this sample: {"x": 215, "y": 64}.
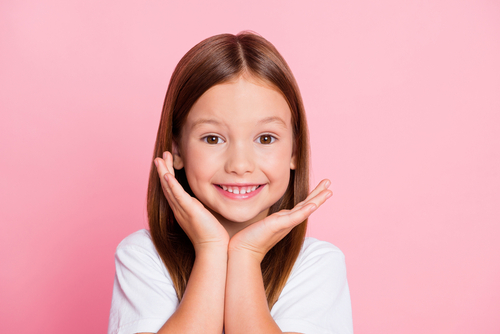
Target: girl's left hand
{"x": 258, "y": 238}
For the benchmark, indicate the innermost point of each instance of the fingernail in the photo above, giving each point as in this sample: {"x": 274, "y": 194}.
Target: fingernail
{"x": 329, "y": 194}
{"x": 156, "y": 163}
{"x": 164, "y": 155}
{"x": 312, "y": 207}
{"x": 327, "y": 183}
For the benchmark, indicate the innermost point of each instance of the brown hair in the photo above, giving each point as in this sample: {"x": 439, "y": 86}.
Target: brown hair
{"x": 213, "y": 61}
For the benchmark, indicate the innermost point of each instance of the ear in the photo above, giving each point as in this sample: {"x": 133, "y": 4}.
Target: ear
{"x": 178, "y": 163}
{"x": 293, "y": 161}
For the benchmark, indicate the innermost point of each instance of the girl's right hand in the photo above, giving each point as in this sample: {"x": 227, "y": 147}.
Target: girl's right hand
{"x": 202, "y": 228}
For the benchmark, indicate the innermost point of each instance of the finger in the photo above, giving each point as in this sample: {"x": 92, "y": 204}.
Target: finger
{"x": 169, "y": 161}
{"x": 324, "y": 184}
{"x": 296, "y": 216}
{"x": 169, "y": 194}
{"x": 178, "y": 199}
{"x": 320, "y": 198}
{"x": 162, "y": 173}
{"x": 317, "y": 200}
{"x": 183, "y": 200}
{"x": 161, "y": 167}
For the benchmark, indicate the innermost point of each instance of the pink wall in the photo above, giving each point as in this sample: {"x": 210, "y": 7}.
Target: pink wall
{"x": 403, "y": 100}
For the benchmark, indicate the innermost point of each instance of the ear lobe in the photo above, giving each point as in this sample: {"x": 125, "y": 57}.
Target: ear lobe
{"x": 178, "y": 163}
{"x": 293, "y": 162}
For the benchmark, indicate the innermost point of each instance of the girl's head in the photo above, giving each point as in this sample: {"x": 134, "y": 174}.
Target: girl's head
{"x": 221, "y": 85}
{"x": 236, "y": 148}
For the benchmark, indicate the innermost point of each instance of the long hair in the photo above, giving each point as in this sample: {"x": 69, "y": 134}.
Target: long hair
{"x": 213, "y": 61}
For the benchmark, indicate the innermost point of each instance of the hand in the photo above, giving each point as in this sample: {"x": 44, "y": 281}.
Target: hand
{"x": 202, "y": 228}
{"x": 258, "y": 238}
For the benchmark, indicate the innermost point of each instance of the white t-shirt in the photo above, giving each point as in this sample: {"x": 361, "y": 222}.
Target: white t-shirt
{"x": 315, "y": 299}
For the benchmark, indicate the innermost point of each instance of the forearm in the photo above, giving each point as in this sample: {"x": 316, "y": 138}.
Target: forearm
{"x": 246, "y": 309}
{"x": 202, "y": 307}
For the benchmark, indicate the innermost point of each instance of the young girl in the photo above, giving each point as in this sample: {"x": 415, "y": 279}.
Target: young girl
{"x": 228, "y": 205}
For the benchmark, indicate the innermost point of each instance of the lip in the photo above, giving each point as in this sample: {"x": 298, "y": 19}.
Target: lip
{"x": 239, "y": 196}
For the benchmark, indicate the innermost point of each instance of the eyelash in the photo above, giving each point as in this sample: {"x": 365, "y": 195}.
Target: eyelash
{"x": 273, "y": 138}
{"x": 220, "y": 140}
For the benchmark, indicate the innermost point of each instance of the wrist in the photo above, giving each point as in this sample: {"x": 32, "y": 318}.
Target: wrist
{"x": 211, "y": 248}
{"x": 245, "y": 255}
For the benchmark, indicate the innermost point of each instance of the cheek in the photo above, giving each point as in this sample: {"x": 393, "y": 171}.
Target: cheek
{"x": 276, "y": 164}
{"x": 199, "y": 166}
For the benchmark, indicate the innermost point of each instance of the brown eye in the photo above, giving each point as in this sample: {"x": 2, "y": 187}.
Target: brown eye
{"x": 266, "y": 139}
{"x": 212, "y": 140}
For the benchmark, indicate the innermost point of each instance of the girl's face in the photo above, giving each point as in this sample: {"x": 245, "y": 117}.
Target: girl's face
{"x": 237, "y": 150}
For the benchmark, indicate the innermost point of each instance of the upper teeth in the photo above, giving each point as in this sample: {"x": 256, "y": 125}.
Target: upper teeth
{"x": 239, "y": 190}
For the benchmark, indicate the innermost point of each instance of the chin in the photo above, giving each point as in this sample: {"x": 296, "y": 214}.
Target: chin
{"x": 245, "y": 217}
{"x": 240, "y": 218}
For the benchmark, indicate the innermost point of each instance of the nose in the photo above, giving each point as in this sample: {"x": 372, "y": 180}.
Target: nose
{"x": 240, "y": 159}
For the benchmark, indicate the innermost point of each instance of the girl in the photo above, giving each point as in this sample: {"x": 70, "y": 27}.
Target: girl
{"x": 228, "y": 205}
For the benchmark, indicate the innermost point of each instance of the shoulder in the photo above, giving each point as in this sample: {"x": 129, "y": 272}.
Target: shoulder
{"x": 316, "y": 252}
{"x": 143, "y": 293}
{"x": 312, "y": 245}
{"x": 315, "y": 298}
{"x": 138, "y": 239}
{"x": 319, "y": 263}
{"x": 138, "y": 250}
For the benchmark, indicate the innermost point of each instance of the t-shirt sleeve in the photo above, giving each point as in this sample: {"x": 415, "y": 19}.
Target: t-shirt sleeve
{"x": 315, "y": 299}
{"x": 143, "y": 294}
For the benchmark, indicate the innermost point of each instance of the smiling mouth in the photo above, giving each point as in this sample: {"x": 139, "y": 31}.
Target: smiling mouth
{"x": 239, "y": 190}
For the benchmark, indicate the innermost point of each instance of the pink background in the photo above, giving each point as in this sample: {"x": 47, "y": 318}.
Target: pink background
{"x": 403, "y": 101}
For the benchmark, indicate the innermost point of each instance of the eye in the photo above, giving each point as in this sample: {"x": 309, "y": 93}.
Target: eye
{"x": 211, "y": 139}
{"x": 266, "y": 139}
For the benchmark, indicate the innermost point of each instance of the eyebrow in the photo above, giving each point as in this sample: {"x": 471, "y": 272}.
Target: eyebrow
{"x": 201, "y": 121}
{"x": 273, "y": 119}
{"x": 267, "y": 120}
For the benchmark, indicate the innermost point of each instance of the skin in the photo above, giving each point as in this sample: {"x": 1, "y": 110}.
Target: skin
{"x": 238, "y": 134}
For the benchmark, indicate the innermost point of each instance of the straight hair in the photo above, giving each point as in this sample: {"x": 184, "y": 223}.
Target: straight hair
{"x": 213, "y": 61}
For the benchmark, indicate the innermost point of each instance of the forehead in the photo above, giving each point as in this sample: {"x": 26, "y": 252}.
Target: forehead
{"x": 243, "y": 100}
